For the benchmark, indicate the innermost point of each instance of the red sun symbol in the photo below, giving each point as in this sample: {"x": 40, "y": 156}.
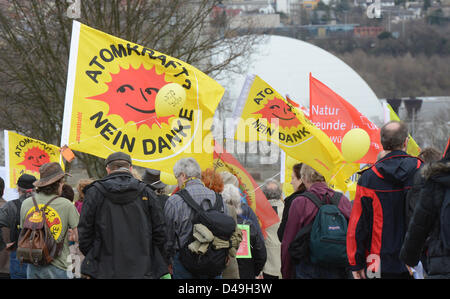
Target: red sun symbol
{"x": 279, "y": 109}
{"x": 132, "y": 93}
{"x": 35, "y": 158}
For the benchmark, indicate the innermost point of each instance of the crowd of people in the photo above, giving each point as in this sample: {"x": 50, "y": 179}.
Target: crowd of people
{"x": 126, "y": 226}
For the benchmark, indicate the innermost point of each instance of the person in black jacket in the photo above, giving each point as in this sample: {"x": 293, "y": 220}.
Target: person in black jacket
{"x": 377, "y": 223}
{"x": 299, "y": 188}
{"x": 10, "y": 218}
{"x": 250, "y": 268}
{"x": 121, "y": 229}
{"x": 425, "y": 225}
{"x": 152, "y": 177}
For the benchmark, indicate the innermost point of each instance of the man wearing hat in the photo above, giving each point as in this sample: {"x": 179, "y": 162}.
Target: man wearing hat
{"x": 152, "y": 177}
{"x": 121, "y": 230}
{"x": 10, "y": 219}
{"x": 61, "y": 215}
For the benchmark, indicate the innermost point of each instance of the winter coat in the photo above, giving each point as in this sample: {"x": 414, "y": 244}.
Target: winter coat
{"x": 301, "y": 213}
{"x": 4, "y": 254}
{"x": 178, "y": 215}
{"x": 425, "y": 222}
{"x": 287, "y": 204}
{"x": 232, "y": 269}
{"x": 377, "y": 224}
{"x": 249, "y": 268}
{"x": 121, "y": 233}
{"x": 10, "y": 218}
{"x": 273, "y": 244}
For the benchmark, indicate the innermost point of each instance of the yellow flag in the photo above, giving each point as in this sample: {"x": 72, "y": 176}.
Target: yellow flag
{"x": 113, "y": 102}
{"x": 340, "y": 181}
{"x": 389, "y": 114}
{"x": 263, "y": 114}
{"x": 25, "y": 155}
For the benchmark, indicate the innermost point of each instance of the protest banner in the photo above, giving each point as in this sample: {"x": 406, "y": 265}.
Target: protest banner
{"x": 250, "y": 191}
{"x": 25, "y": 155}
{"x": 261, "y": 113}
{"x": 125, "y": 97}
{"x": 335, "y": 116}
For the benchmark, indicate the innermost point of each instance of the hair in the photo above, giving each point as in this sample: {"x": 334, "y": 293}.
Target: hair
{"x": 188, "y": 166}
{"x": 2, "y": 187}
{"x": 67, "y": 192}
{"x": 232, "y": 196}
{"x": 50, "y": 189}
{"x": 296, "y": 169}
{"x": 229, "y": 178}
{"x": 393, "y": 138}
{"x": 310, "y": 175}
{"x": 430, "y": 154}
{"x": 80, "y": 187}
{"x": 117, "y": 164}
{"x": 272, "y": 189}
{"x": 23, "y": 190}
{"x": 136, "y": 174}
{"x": 212, "y": 180}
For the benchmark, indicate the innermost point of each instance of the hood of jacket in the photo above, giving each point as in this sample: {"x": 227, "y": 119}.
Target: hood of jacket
{"x": 396, "y": 169}
{"x": 438, "y": 171}
{"x": 121, "y": 187}
{"x": 321, "y": 189}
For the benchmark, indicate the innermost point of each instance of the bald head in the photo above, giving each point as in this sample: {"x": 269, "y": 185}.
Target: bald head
{"x": 393, "y": 136}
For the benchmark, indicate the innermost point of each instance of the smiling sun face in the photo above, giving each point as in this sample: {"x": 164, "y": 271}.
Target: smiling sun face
{"x": 279, "y": 109}
{"x": 35, "y": 158}
{"x": 131, "y": 94}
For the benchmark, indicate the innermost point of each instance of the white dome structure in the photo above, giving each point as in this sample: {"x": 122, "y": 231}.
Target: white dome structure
{"x": 285, "y": 64}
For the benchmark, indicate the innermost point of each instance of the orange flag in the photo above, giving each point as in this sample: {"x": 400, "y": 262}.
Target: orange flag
{"x": 224, "y": 161}
{"x": 335, "y": 116}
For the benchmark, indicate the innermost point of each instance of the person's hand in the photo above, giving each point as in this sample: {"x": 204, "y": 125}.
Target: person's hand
{"x": 73, "y": 235}
{"x": 9, "y": 246}
{"x": 359, "y": 274}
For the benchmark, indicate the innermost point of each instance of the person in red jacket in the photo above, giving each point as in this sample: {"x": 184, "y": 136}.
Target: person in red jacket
{"x": 377, "y": 223}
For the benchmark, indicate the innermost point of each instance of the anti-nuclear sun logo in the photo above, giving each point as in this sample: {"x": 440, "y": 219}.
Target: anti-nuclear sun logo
{"x": 132, "y": 93}
{"x": 35, "y": 158}
{"x": 279, "y": 109}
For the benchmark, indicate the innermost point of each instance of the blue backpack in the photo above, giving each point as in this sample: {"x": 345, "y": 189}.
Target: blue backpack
{"x": 328, "y": 235}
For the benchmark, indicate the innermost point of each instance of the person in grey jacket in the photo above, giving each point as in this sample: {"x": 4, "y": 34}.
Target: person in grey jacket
{"x": 178, "y": 214}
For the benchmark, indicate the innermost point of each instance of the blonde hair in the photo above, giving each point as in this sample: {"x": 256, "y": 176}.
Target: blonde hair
{"x": 229, "y": 178}
{"x": 310, "y": 175}
{"x": 232, "y": 196}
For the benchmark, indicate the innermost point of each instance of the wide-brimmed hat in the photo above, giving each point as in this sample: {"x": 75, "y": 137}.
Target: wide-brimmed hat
{"x": 26, "y": 181}
{"x": 118, "y": 156}
{"x": 50, "y": 173}
{"x": 153, "y": 178}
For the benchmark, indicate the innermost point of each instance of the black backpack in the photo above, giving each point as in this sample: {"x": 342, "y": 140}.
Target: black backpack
{"x": 213, "y": 262}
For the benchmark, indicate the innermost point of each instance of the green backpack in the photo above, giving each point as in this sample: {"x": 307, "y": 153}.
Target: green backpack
{"x": 328, "y": 233}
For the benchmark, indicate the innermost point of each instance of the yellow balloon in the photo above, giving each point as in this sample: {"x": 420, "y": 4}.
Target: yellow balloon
{"x": 170, "y": 99}
{"x": 355, "y": 144}
{"x": 168, "y": 178}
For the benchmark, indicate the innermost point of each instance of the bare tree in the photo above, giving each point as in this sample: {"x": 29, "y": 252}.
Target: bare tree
{"x": 35, "y": 42}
